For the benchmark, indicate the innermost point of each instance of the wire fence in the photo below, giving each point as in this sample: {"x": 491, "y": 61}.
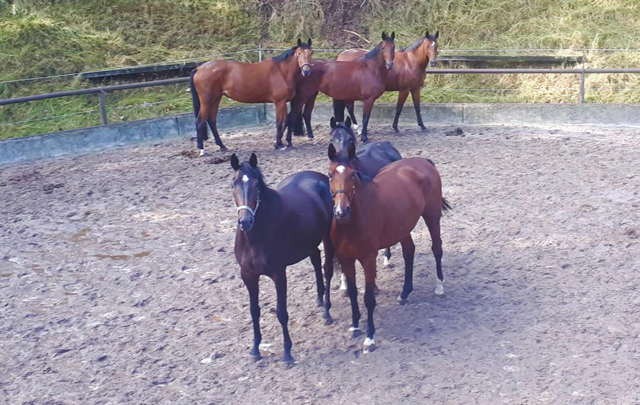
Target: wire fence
{"x": 439, "y": 86}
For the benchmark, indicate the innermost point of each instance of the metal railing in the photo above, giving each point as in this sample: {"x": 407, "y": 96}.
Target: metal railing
{"x": 101, "y": 91}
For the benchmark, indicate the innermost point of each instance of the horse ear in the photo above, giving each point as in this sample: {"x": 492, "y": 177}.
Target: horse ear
{"x": 235, "y": 163}
{"x": 309, "y": 42}
{"x": 348, "y": 122}
{"x": 437, "y": 34}
{"x": 393, "y": 35}
{"x": 384, "y": 36}
{"x": 299, "y": 42}
{"x": 253, "y": 160}
{"x": 351, "y": 151}
{"x": 332, "y": 122}
{"x": 332, "y": 152}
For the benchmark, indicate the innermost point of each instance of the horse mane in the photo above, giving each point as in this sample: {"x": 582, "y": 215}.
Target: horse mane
{"x": 285, "y": 55}
{"x": 413, "y": 46}
{"x": 372, "y": 53}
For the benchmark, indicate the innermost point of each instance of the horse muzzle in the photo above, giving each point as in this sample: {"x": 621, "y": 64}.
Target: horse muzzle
{"x": 433, "y": 63}
{"x": 306, "y": 69}
{"x": 389, "y": 65}
{"x": 340, "y": 213}
{"x": 246, "y": 222}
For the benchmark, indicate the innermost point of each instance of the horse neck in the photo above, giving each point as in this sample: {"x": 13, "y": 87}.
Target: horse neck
{"x": 379, "y": 63}
{"x": 363, "y": 206}
{"x": 266, "y": 216}
{"x": 421, "y": 55}
{"x": 289, "y": 69}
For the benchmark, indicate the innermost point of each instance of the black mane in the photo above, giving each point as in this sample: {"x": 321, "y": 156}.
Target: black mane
{"x": 285, "y": 55}
{"x": 413, "y": 46}
{"x": 372, "y": 53}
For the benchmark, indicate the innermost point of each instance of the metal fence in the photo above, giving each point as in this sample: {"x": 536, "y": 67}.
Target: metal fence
{"x": 261, "y": 52}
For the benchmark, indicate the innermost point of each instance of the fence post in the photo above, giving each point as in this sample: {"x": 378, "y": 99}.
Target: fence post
{"x": 260, "y": 52}
{"x": 582, "y": 76}
{"x": 103, "y": 108}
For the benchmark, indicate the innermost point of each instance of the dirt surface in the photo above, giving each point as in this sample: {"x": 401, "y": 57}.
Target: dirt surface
{"x": 118, "y": 282}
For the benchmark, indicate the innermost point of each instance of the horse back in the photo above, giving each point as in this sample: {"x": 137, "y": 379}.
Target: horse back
{"x": 417, "y": 177}
{"x": 374, "y": 156}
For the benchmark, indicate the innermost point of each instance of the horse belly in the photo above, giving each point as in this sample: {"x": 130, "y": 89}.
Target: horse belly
{"x": 247, "y": 87}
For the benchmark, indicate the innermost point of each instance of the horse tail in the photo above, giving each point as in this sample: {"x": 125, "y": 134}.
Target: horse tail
{"x": 445, "y": 205}
{"x": 194, "y": 94}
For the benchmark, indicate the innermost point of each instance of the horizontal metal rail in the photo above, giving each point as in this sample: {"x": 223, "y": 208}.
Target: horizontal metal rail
{"x": 93, "y": 90}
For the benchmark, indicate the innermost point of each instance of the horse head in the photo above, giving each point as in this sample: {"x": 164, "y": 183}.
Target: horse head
{"x": 388, "y": 48}
{"x": 342, "y": 136}
{"x": 431, "y": 42}
{"x": 303, "y": 55}
{"x": 247, "y": 186}
{"x": 344, "y": 180}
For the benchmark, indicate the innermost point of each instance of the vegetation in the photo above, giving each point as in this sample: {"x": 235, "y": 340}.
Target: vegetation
{"x": 60, "y": 37}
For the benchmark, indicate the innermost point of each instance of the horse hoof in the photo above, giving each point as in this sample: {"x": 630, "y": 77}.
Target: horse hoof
{"x": 287, "y": 358}
{"x": 396, "y": 130}
{"x": 223, "y": 148}
{"x": 355, "y": 332}
{"x": 319, "y": 302}
{"x": 439, "y": 288}
{"x": 385, "y": 262}
{"x": 279, "y": 146}
{"x": 310, "y": 136}
{"x": 255, "y": 355}
{"x": 328, "y": 321}
{"x": 365, "y": 141}
{"x": 201, "y": 152}
{"x": 369, "y": 345}
{"x": 402, "y": 301}
{"x": 425, "y": 130}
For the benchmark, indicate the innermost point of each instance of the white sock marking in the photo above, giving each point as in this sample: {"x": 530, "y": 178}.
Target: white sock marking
{"x": 343, "y": 283}
{"x": 386, "y": 262}
{"x": 353, "y": 329}
{"x": 202, "y": 152}
{"x": 439, "y": 288}
{"x": 369, "y": 342}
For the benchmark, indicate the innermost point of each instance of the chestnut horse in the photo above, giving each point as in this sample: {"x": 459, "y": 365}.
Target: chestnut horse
{"x": 278, "y": 228}
{"x": 273, "y": 80}
{"x": 408, "y": 73}
{"x": 369, "y": 160}
{"x": 372, "y": 214}
{"x": 359, "y": 79}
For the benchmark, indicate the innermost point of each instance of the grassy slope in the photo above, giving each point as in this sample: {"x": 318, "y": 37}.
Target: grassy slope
{"x": 47, "y": 37}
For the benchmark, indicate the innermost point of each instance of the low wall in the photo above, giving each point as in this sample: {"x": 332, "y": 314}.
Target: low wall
{"x": 99, "y": 138}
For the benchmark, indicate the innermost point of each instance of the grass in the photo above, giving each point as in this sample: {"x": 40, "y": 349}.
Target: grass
{"x": 45, "y": 37}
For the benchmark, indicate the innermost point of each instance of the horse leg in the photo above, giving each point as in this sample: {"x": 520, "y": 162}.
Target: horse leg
{"x": 308, "y": 109}
{"x": 316, "y": 261}
{"x": 338, "y": 110}
{"x": 281, "y": 116}
{"x": 202, "y": 133}
{"x": 349, "y": 270}
{"x": 369, "y": 265}
{"x": 211, "y": 119}
{"x": 294, "y": 124}
{"x": 367, "y": 107}
{"x": 402, "y": 97}
{"x": 251, "y": 282}
{"x": 433, "y": 223}
{"x": 329, "y": 254}
{"x": 387, "y": 257}
{"x": 408, "y": 252}
{"x": 415, "y": 96}
{"x": 280, "y": 278}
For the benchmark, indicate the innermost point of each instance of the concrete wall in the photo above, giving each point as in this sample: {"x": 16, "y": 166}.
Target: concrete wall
{"x": 98, "y": 138}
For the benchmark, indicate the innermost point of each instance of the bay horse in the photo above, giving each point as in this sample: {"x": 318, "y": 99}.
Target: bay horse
{"x": 306, "y": 93}
{"x": 277, "y": 228}
{"x": 372, "y": 214}
{"x": 273, "y": 80}
{"x": 359, "y": 79}
{"x": 407, "y": 75}
{"x": 369, "y": 160}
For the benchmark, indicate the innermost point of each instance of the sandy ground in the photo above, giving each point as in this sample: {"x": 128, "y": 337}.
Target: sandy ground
{"x": 118, "y": 282}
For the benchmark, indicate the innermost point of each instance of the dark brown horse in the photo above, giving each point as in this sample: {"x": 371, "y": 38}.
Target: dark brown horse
{"x": 359, "y": 79}
{"x": 373, "y": 214}
{"x": 278, "y": 228}
{"x": 369, "y": 160}
{"x": 270, "y": 81}
{"x": 408, "y": 73}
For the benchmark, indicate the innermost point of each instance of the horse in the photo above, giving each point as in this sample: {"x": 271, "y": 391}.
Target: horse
{"x": 408, "y": 73}
{"x": 306, "y": 93}
{"x": 277, "y": 228}
{"x": 273, "y": 80}
{"x": 360, "y": 79}
{"x": 372, "y": 214}
{"x": 369, "y": 160}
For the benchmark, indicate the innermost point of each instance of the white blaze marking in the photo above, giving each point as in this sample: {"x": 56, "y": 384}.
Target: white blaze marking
{"x": 245, "y": 178}
{"x": 340, "y": 169}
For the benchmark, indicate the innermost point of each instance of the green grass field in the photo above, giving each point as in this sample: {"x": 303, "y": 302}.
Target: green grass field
{"x": 63, "y": 37}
